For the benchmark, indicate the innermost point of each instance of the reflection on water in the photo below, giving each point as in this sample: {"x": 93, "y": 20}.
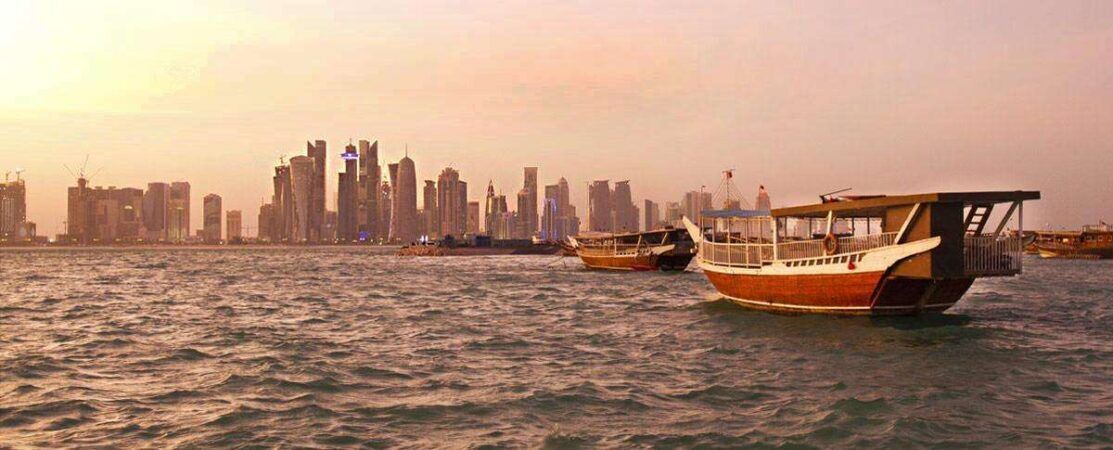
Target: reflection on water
{"x": 345, "y": 347}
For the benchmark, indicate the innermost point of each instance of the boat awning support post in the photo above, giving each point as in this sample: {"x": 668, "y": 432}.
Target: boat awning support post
{"x": 907, "y": 223}
{"x": 1005, "y": 220}
{"x": 776, "y": 232}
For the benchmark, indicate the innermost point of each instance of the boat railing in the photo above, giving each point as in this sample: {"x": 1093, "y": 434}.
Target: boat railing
{"x": 754, "y": 255}
{"x": 990, "y": 255}
{"x": 610, "y": 249}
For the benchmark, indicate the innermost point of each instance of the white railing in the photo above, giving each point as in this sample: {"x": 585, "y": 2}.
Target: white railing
{"x": 989, "y": 255}
{"x": 741, "y": 254}
{"x": 612, "y": 249}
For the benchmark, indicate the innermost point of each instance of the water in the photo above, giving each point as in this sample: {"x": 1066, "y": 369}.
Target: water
{"x": 345, "y": 348}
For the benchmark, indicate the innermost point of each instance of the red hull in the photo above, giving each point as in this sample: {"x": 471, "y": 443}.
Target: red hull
{"x": 870, "y": 293}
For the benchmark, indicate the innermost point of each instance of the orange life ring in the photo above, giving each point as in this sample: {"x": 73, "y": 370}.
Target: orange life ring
{"x": 830, "y": 244}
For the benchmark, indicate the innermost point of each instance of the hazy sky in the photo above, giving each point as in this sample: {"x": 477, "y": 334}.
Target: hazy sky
{"x": 805, "y": 97}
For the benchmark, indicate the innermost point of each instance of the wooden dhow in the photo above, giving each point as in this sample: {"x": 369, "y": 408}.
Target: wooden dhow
{"x": 1094, "y": 242}
{"x": 667, "y": 249}
{"x": 872, "y": 255}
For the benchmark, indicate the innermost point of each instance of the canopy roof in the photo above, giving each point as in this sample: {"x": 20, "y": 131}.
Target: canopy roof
{"x": 734, "y": 213}
{"x": 876, "y": 206}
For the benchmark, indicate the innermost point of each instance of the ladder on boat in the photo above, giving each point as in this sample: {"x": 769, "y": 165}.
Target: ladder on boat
{"x": 977, "y": 218}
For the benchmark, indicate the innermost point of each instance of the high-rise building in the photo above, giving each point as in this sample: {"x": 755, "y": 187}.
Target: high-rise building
{"x": 13, "y": 212}
{"x": 302, "y": 180}
{"x": 234, "y": 226}
{"x": 403, "y": 219}
{"x": 316, "y": 215}
{"x": 527, "y": 207}
{"x": 652, "y": 215}
{"x": 156, "y": 211}
{"x": 600, "y": 211}
{"x": 763, "y": 203}
{"x": 282, "y": 222}
{"x": 558, "y": 219}
{"x": 213, "y": 210}
{"x": 266, "y": 223}
{"x": 501, "y": 223}
{"x": 625, "y": 212}
{"x": 673, "y": 214}
{"x": 370, "y": 189}
{"x": 472, "y": 227}
{"x": 452, "y": 200}
{"x": 104, "y": 215}
{"x": 488, "y": 206}
{"x": 694, "y": 203}
{"x": 385, "y": 205}
{"x": 428, "y": 219}
{"x": 178, "y": 212}
{"x": 347, "y": 206}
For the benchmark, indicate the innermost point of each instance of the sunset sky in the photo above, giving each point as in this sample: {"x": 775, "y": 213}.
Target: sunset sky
{"x": 804, "y": 97}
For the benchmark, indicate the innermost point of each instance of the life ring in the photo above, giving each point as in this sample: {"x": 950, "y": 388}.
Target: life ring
{"x": 830, "y": 244}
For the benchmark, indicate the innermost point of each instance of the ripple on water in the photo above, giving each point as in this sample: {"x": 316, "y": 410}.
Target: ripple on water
{"x": 352, "y": 347}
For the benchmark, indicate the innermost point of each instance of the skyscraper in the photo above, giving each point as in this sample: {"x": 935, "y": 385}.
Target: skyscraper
{"x": 104, "y": 215}
{"x": 429, "y": 225}
{"x": 558, "y": 219}
{"x": 266, "y": 223}
{"x": 625, "y": 212}
{"x": 652, "y": 216}
{"x": 403, "y": 223}
{"x": 527, "y": 209}
{"x": 282, "y": 223}
{"x": 302, "y": 181}
{"x": 452, "y": 195}
{"x": 488, "y": 208}
{"x": 472, "y": 227}
{"x": 316, "y": 214}
{"x": 673, "y": 214}
{"x": 156, "y": 211}
{"x": 694, "y": 203}
{"x": 600, "y": 212}
{"x": 370, "y": 189}
{"x": 763, "y": 203}
{"x": 347, "y": 206}
{"x": 178, "y": 212}
{"x": 500, "y": 221}
{"x": 385, "y": 205}
{"x": 13, "y": 211}
{"x": 213, "y": 210}
{"x": 234, "y": 226}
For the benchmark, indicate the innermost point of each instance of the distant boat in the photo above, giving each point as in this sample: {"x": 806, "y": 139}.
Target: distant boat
{"x": 480, "y": 246}
{"x": 919, "y": 253}
{"x": 667, "y": 249}
{"x": 1091, "y": 243}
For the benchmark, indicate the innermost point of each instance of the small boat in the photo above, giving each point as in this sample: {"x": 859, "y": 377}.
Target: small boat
{"x": 878, "y": 255}
{"x": 1090, "y": 243}
{"x": 668, "y": 249}
{"x": 480, "y": 246}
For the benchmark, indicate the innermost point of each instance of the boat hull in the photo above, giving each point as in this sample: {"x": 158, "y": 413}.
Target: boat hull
{"x": 867, "y": 293}
{"x": 641, "y": 263}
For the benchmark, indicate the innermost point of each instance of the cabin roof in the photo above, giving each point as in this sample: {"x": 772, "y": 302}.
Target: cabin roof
{"x": 735, "y": 213}
{"x": 876, "y": 206}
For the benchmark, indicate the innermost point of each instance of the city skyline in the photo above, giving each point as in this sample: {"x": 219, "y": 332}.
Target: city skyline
{"x": 966, "y": 97}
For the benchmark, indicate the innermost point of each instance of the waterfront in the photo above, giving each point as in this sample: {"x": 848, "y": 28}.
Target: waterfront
{"x": 333, "y": 347}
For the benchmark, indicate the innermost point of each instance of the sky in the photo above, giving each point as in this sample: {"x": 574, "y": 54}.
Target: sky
{"x": 805, "y": 97}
